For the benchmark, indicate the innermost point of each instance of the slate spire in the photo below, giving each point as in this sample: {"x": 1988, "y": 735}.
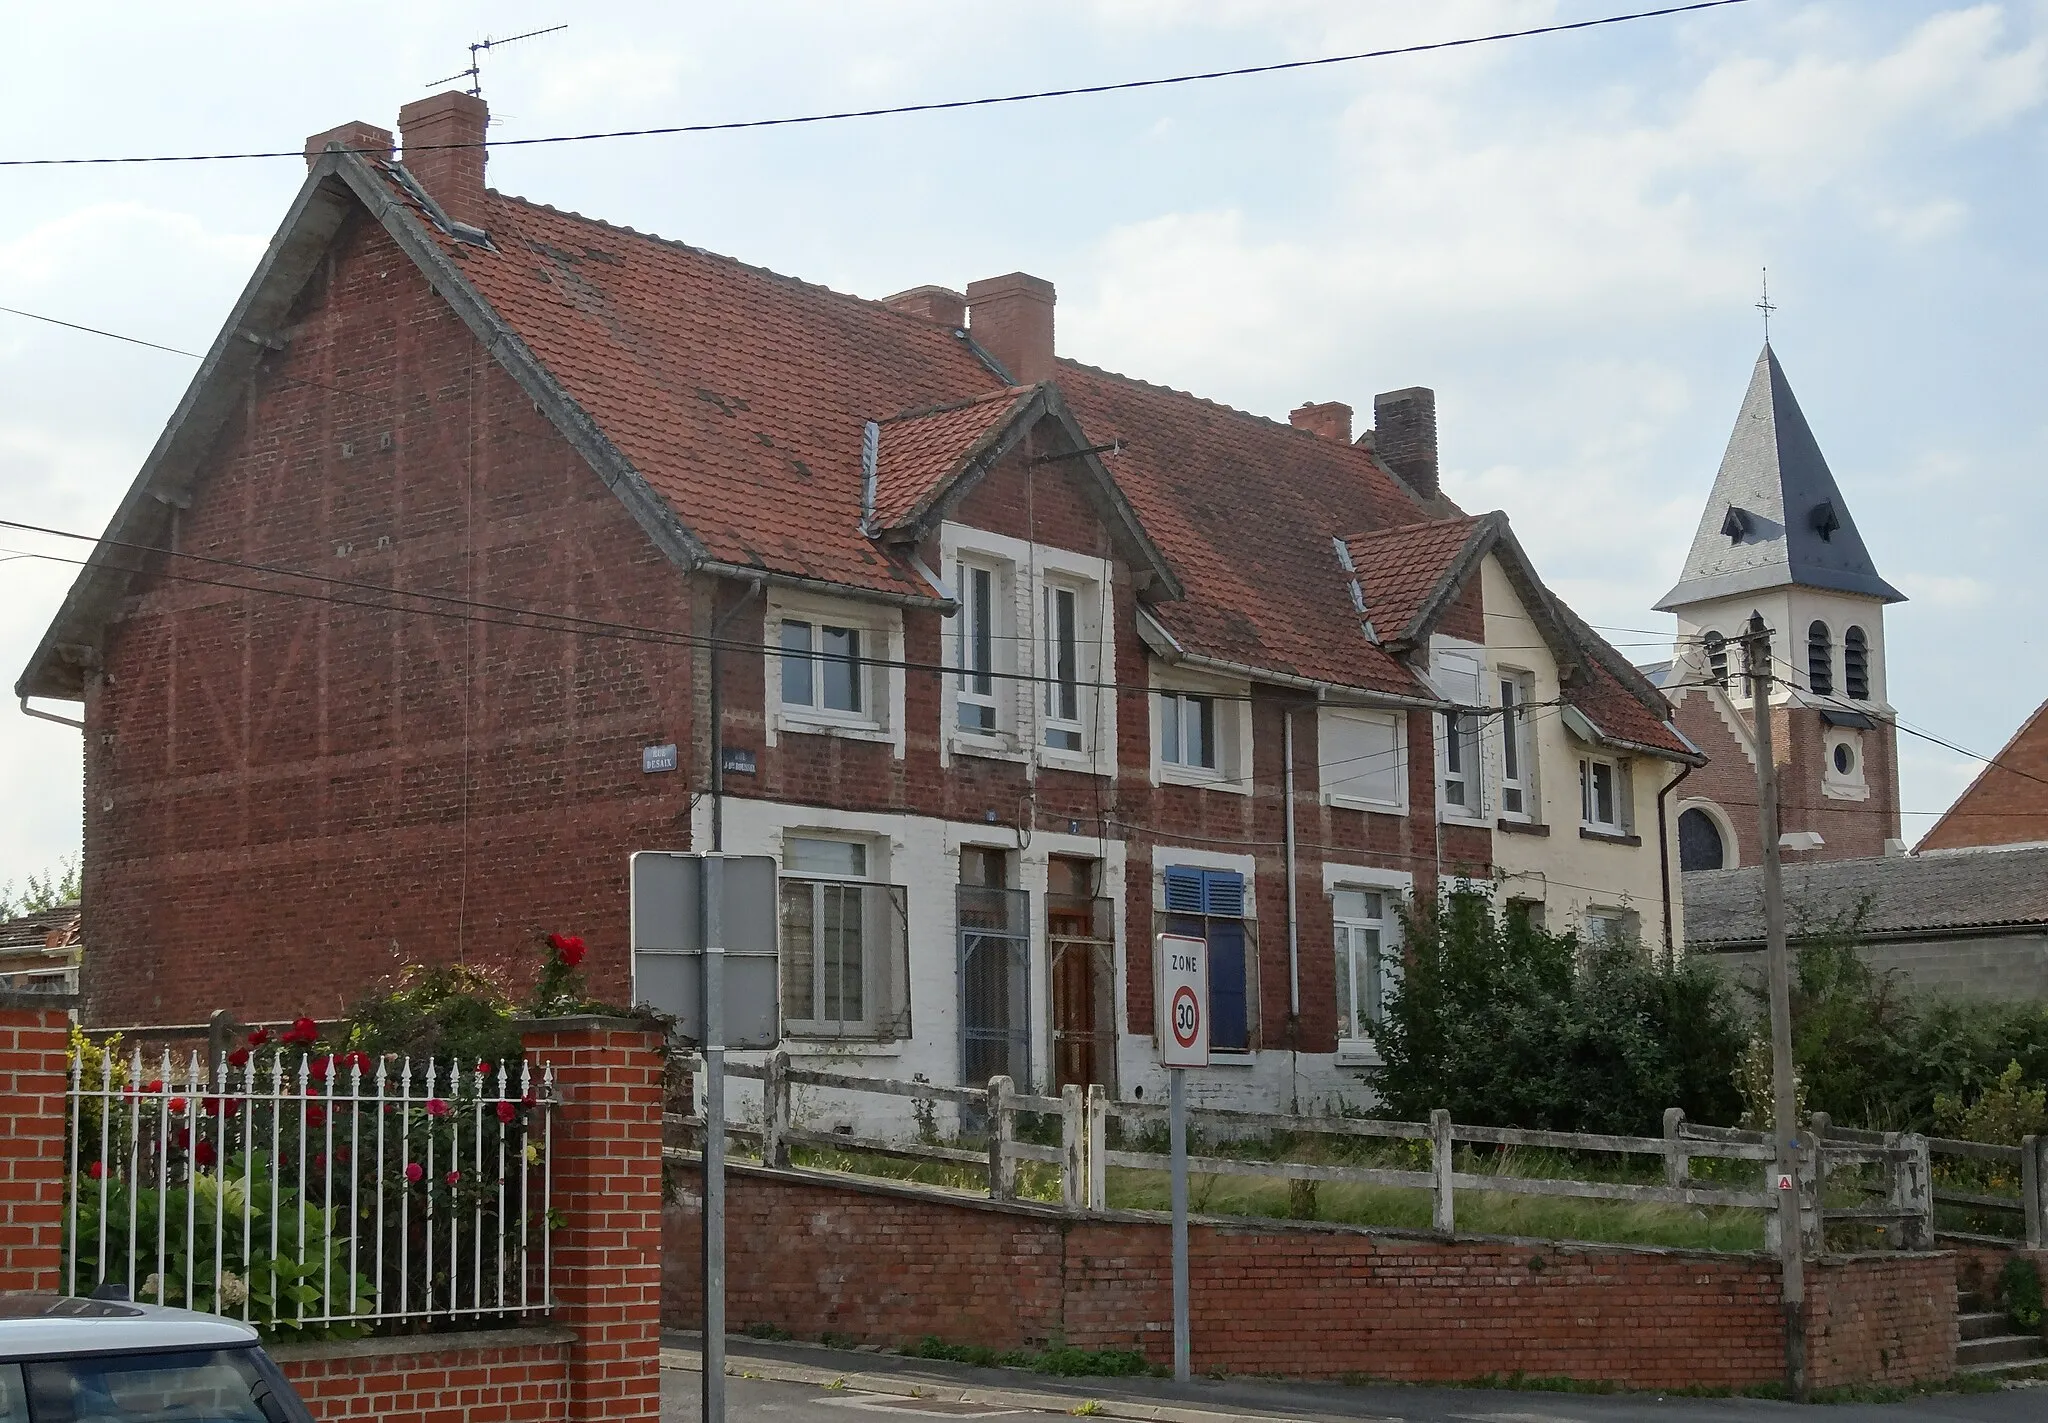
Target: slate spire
{"x": 1775, "y": 517}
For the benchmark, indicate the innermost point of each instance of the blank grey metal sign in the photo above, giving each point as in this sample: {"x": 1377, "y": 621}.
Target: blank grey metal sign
{"x": 668, "y": 944}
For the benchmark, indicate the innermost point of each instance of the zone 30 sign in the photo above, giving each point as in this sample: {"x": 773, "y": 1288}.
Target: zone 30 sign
{"x": 1182, "y": 1002}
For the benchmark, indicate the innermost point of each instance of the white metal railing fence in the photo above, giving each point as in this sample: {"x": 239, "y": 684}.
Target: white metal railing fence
{"x": 315, "y": 1194}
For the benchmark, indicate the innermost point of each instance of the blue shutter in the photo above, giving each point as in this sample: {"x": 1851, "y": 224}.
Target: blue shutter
{"x": 1229, "y": 1019}
{"x": 1224, "y": 893}
{"x": 1183, "y": 890}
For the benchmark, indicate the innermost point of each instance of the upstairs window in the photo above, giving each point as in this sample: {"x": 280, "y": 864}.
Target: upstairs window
{"x": 1856, "y": 664}
{"x": 1361, "y": 762}
{"x": 1463, "y": 782}
{"x": 822, "y": 668}
{"x": 1820, "y": 660}
{"x": 1603, "y": 795}
{"x": 976, "y": 655}
{"x": 1187, "y": 730}
{"x": 1062, "y": 669}
{"x": 1517, "y": 755}
{"x": 1210, "y": 905}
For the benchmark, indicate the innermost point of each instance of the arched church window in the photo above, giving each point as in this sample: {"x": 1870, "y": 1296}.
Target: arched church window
{"x": 1820, "y": 660}
{"x": 1699, "y": 841}
{"x": 1856, "y": 664}
{"x": 1717, "y": 656}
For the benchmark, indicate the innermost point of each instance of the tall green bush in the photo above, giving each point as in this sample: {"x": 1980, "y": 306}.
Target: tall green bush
{"x": 1504, "y": 1023}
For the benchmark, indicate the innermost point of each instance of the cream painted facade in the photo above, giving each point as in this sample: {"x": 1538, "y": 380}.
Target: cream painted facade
{"x": 1556, "y": 860}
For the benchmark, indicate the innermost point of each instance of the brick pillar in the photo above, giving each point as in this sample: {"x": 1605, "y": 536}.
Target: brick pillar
{"x": 35, "y": 1030}
{"x": 607, "y": 1185}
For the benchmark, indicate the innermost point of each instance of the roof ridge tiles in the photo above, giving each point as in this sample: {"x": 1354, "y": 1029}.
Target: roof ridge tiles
{"x": 1251, "y": 415}
{"x": 920, "y": 412}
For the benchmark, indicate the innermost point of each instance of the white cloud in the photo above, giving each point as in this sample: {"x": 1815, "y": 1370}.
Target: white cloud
{"x": 1950, "y": 592}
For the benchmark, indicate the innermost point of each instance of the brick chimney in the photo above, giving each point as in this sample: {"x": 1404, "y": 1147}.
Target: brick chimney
{"x": 940, "y": 304}
{"x": 1011, "y": 318}
{"x": 1404, "y": 436}
{"x": 1331, "y": 420}
{"x": 443, "y": 138}
{"x": 365, "y": 138}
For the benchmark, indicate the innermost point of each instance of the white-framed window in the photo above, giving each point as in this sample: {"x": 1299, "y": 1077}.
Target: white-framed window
{"x": 1517, "y": 747}
{"x": 1060, "y": 666}
{"x": 1609, "y": 928}
{"x": 1604, "y": 795}
{"x": 1365, "y": 934}
{"x": 825, "y": 669}
{"x": 842, "y": 942}
{"x": 1464, "y": 780}
{"x": 1187, "y": 731}
{"x": 1362, "y": 758}
{"x": 980, "y": 631}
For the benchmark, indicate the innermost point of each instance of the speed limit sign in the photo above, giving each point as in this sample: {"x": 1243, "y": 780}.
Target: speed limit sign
{"x": 1182, "y": 1001}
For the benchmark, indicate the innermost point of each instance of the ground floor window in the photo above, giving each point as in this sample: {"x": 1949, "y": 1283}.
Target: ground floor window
{"x": 1366, "y": 970}
{"x": 1210, "y": 905}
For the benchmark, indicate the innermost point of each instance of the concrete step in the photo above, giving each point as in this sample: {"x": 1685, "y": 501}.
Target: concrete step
{"x": 1974, "y": 1302}
{"x": 1982, "y": 1324}
{"x": 2001, "y": 1349}
{"x": 2027, "y": 1367}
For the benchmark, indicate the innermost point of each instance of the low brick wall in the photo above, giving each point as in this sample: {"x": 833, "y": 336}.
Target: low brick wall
{"x": 494, "y": 1376}
{"x": 882, "y": 1264}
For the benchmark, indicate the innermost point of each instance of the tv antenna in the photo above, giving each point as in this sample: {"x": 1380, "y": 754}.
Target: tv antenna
{"x": 1766, "y": 307}
{"x": 476, "y": 52}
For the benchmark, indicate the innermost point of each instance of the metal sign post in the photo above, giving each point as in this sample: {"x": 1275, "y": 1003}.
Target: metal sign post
{"x": 1182, "y": 1033}
{"x": 704, "y": 950}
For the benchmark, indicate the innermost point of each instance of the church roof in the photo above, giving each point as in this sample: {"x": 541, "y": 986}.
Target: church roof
{"x": 1775, "y": 517}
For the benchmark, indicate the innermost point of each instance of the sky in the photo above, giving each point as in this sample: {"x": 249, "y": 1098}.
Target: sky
{"x": 1563, "y": 235}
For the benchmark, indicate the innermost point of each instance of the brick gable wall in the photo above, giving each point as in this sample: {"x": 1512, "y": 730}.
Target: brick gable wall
{"x": 287, "y": 800}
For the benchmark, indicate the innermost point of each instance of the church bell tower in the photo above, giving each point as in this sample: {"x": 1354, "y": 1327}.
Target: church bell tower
{"x": 1777, "y": 542}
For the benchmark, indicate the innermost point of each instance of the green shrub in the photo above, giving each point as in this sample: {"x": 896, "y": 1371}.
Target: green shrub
{"x": 446, "y": 1011}
{"x": 1505, "y": 1024}
{"x": 2019, "y": 1291}
{"x": 2007, "y": 1113}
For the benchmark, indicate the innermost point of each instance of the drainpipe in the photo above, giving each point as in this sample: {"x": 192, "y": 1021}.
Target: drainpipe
{"x": 27, "y": 710}
{"x": 718, "y": 628}
{"x": 1293, "y": 919}
{"x": 1664, "y": 862}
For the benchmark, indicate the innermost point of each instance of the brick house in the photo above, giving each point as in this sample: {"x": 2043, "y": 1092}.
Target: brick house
{"x": 1777, "y": 542}
{"x": 492, "y": 543}
{"x": 2007, "y": 804}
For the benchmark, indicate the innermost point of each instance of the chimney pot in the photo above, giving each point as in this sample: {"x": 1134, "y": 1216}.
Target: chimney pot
{"x": 1010, "y": 317}
{"x": 356, "y": 135}
{"x": 1331, "y": 420}
{"x": 1404, "y": 436}
{"x": 443, "y": 138}
{"x": 940, "y": 304}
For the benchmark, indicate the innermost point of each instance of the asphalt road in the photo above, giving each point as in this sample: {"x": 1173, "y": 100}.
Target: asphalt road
{"x": 757, "y": 1400}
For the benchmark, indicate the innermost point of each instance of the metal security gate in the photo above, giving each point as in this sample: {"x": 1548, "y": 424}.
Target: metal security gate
{"x": 995, "y": 985}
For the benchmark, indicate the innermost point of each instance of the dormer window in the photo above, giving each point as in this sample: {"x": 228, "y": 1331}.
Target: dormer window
{"x": 1737, "y": 524}
{"x": 1856, "y": 665}
{"x": 1820, "y": 660}
{"x": 1825, "y": 520}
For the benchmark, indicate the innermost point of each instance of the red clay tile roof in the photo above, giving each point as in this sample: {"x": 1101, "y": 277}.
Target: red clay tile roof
{"x": 739, "y": 395}
{"x": 921, "y": 451}
{"x": 1399, "y": 568}
{"x": 1245, "y": 509}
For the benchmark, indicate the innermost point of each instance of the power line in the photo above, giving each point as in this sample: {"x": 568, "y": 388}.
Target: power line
{"x": 96, "y": 331}
{"x": 939, "y": 106}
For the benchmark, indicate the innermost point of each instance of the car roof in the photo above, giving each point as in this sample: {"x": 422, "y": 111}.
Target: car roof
{"x": 40, "y": 1326}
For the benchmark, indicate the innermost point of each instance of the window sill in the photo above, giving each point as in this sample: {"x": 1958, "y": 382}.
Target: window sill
{"x": 799, "y": 1046}
{"x": 1370, "y": 807}
{"x": 1521, "y": 827}
{"x": 1452, "y": 815}
{"x": 1611, "y": 837}
{"x": 1838, "y": 791}
{"x": 1172, "y": 774}
{"x": 788, "y": 722}
{"x": 1077, "y": 761}
{"x": 992, "y": 748}
{"x": 1352, "y": 1052}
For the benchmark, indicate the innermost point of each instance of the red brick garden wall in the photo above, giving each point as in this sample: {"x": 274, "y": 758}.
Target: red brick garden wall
{"x": 33, "y": 1032}
{"x": 885, "y": 1265}
{"x": 503, "y": 1376}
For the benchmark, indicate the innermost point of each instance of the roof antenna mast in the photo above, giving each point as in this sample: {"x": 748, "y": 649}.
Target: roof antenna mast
{"x": 1765, "y": 306}
{"x": 476, "y": 51}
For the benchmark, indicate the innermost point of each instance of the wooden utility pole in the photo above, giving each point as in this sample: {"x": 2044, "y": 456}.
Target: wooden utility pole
{"x": 1784, "y": 1096}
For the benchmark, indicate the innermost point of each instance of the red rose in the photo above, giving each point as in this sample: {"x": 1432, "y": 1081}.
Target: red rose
{"x": 204, "y": 1153}
{"x": 453, "y": 1177}
{"x": 303, "y": 1030}
{"x": 318, "y": 1067}
{"x": 239, "y": 1057}
{"x": 506, "y": 1112}
{"x": 177, "y": 1105}
{"x": 259, "y": 1037}
{"x": 527, "y": 1100}
{"x": 569, "y": 948}
{"x": 361, "y": 1062}
{"x": 156, "y": 1086}
{"x": 436, "y": 1107}
{"x": 414, "y": 1171}
{"x": 316, "y": 1116}
{"x": 96, "y": 1170}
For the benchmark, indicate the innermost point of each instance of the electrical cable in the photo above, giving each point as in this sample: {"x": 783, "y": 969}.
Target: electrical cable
{"x": 930, "y": 107}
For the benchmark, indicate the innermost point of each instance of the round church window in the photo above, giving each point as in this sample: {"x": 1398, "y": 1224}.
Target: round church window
{"x": 1845, "y": 758}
